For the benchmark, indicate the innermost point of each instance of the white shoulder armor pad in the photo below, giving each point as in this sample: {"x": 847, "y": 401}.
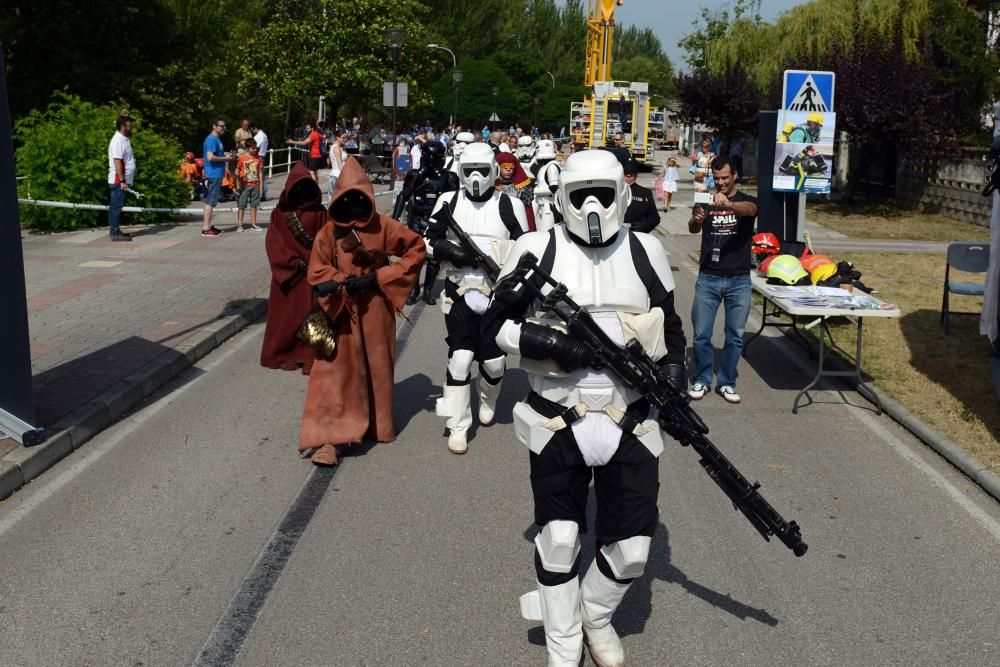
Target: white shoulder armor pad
{"x": 533, "y": 242}
{"x": 657, "y": 259}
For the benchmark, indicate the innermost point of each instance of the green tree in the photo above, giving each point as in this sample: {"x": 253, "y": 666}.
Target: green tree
{"x": 95, "y": 50}
{"x": 336, "y": 48}
{"x": 63, "y": 151}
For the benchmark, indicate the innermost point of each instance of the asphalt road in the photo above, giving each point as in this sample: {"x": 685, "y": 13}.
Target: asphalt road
{"x": 192, "y": 533}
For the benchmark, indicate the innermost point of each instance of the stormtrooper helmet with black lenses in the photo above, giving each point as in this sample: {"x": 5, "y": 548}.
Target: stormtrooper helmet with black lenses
{"x": 478, "y": 170}
{"x": 593, "y": 197}
{"x": 525, "y": 148}
{"x": 462, "y": 139}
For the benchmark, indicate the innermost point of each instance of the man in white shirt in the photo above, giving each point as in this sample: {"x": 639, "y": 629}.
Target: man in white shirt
{"x": 262, "y": 146}
{"x": 121, "y": 171}
{"x": 415, "y": 154}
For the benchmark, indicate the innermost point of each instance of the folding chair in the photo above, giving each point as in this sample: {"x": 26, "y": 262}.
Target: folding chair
{"x": 968, "y": 257}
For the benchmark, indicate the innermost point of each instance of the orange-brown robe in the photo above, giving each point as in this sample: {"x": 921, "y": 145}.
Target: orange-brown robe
{"x": 295, "y": 223}
{"x": 350, "y": 398}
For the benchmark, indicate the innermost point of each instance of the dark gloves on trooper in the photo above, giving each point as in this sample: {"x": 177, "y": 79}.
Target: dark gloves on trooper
{"x": 541, "y": 342}
{"x": 449, "y": 251}
{"x": 678, "y": 375}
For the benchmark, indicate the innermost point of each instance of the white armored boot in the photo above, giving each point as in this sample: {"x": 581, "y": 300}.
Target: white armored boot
{"x": 456, "y": 406}
{"x": 601, "y": 596}
{"x": 488, "y": 392}
{"x": 487, "y": 401}
{"x": 561, "y": 617}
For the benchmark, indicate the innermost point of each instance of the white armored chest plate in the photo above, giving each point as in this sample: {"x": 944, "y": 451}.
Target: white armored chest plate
{"x": 600, "y": 279}
{"x": 480, "y": 218}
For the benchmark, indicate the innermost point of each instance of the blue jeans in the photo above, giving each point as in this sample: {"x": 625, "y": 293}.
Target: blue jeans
{"x": 115, "y": 209}
{"x": 733, "y": 292}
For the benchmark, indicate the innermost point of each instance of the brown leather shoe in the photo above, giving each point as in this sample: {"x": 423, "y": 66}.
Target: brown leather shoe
{"x": 327, "y": 455}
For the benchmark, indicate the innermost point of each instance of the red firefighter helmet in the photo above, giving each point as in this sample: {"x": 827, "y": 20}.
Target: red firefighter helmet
{"x": 765, "y": 244}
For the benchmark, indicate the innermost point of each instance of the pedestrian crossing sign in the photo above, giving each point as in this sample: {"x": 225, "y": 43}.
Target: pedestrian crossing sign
{"x": 807, "y": 91}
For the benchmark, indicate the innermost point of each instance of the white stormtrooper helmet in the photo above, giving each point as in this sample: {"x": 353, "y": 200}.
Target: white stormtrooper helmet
{"x": 592, "y": 196}
{"x": 525, "y": 147}
{"x": 478, "y": 169}
{"x": 462, "y": 139}
{"x": 546, "y": 150}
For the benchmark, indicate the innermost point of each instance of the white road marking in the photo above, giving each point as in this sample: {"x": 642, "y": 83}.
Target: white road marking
{"x": 98, "y": 264}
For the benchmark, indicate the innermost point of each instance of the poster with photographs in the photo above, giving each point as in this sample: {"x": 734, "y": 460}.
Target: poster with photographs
{"x": 803, "y": 153}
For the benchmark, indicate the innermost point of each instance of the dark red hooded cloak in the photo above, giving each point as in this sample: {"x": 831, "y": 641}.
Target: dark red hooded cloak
{"x": 350, "y": 398}
{"x": 294, "y": 225}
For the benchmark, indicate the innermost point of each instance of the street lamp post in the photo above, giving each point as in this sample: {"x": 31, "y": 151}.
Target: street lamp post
{"x": 495, "y": 91}
{"x": 456, "y": 77}
{"x": 552, "y": 76}
{"x": 395, "y": 37}
{"x": 535, "y": 116}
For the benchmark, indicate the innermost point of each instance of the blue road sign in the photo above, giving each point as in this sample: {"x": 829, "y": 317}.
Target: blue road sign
{"x": 807, "y": 91}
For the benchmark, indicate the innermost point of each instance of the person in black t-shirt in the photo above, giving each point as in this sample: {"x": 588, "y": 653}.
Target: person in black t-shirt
{"x": 724, "y": 278}
{"x": 641, "y": 213}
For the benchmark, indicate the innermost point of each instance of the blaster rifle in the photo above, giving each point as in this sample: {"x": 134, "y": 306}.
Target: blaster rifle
{"x": 641, "y": 374}
{"x": 484, "y": 261}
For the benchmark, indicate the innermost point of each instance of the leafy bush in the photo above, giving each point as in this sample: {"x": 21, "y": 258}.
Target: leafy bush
{"x": 63, "y": 151}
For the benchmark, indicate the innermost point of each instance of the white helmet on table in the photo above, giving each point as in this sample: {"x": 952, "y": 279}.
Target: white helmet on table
{"x": 477, "y": 169}
{"x": 592, "y": 196}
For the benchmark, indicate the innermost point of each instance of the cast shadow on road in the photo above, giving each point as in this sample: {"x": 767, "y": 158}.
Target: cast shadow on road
{"x": 418, "y": 393}
{"x": 61, "y": 389}
{"x": 637, "y": 607}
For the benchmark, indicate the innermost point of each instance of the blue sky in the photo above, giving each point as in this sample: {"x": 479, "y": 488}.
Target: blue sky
{"x": 671, "y": 19}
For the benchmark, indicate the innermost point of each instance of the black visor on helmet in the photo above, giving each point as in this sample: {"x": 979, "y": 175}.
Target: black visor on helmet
{"x": 481, "y": 169}
{"x": 604, "y": 195}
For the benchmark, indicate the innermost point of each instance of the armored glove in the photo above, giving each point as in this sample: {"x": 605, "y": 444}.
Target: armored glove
{"x": 542, "y": 342}
{"x": 449, "y": 251}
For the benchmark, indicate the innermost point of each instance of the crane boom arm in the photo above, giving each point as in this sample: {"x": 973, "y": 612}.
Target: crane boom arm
{"x": 600, "y": 33}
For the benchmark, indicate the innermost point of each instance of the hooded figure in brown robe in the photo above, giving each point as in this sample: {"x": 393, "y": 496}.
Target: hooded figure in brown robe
{"x": 295, "y": 223}
{"x": 350, "y": 397}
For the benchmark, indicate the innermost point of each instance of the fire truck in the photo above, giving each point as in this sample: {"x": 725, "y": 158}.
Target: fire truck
{"x": 614, "y": 106}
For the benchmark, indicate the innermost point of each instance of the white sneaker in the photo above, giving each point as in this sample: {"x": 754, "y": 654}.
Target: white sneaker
{"x": 697, "y": 391}
{"x": 728, "y": 393}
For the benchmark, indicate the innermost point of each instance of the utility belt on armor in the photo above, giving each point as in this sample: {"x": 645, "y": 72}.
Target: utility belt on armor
{"x": 559, "y": 416}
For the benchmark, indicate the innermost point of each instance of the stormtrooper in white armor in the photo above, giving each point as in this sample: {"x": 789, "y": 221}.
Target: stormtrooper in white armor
{"x": 525, "y": 150}
{"x": 579, "y": 423}
{"x": 545, "y": 170}
{"x": 493, "y": 221}
{"x": 462, "y": 139}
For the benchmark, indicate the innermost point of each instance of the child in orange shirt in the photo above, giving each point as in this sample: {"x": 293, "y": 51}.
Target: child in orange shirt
{"x": 249, "y": 171}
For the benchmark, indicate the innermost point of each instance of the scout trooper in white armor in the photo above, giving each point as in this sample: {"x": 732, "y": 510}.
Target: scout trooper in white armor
{"x": 493, "y": 221}
{"x": 462, "y": 140}
{"x": 579, "y": 422}
{"x": 545, "y": 170}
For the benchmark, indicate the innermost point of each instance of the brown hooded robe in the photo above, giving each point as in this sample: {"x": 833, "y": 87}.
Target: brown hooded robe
{"x": 295, "y": 223}
{"x": 350, "y": 398}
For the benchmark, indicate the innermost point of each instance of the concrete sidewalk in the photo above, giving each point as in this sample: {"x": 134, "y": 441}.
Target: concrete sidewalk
{"x": 111, "y": 322}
